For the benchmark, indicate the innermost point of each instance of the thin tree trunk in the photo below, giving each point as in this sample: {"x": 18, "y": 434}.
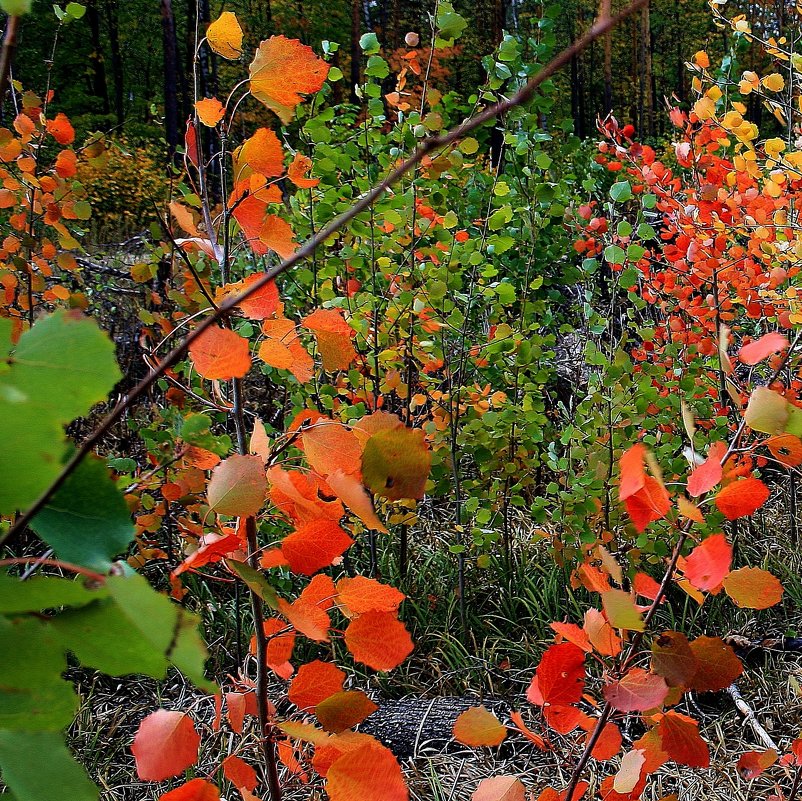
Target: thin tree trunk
{"x": 99, "y": 88}
{"x": 645, "y": 98}
{"x": 170, "y": 76}
{"x": 608, "y": 62}
{"x": 116, "y": 60}
{"x": 356, "y": 53}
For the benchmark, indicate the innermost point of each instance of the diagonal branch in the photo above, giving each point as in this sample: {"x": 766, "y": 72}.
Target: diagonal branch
{"x": 430, "y": 145}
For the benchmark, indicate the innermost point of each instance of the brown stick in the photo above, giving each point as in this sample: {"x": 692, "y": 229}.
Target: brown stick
{"x": 308, "y": 248}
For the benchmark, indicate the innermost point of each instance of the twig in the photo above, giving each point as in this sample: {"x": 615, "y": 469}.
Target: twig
{"x": 750, "y": 717}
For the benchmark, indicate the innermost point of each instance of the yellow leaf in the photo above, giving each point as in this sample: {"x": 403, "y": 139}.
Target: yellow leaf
{"x": 774, "y": 82}
{"x": 224, "y": 36}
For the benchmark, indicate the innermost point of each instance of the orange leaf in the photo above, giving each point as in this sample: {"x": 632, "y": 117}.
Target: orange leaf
{"x": 333, "y": 336}
{"x": 184, "y": 217}
{"x": 280, "y": 644}
{"x": 314, "y": 546}
{"x": 786, "y": 449}
{"x": 708, "y": 563}
{"x": 238, "y": 486}
{"x": 236, "y": 707}
{"x": 165, "y": 745}
{"x": 224, "y": 36}
{"x": 315, "y": 682}
{"x": 646, "y": 586}
{"x": 210, "y": 111}
{"x": 239, "y": 772}
{"x": 360, "y": 594}
{"x": 741, "y": 498}
{"x": 330, "y": 446}
{"x": 633, "y": 472}
{"x": 261, "y": 304}
{"x": 573, "y": 633}
{"x": 753, "y": 588}
{"x": 679, "y": 738}
{"x": 282, "y": 349}
{"x": 369, "y": 771}
{"x": 220, "y": 353}
{"x": 499, "y": 788}
{"x": 297, "y": 495}
{"x": 351, "y": 492}
{"x": 564, "y": 719}
{"x": 297, "y": 170}
{"x": 277, "y": 235}
{"x": 193, "y": 790}
{"x": 601, "y": 634}
{"x": 718, "y": 666}
{"x": 344, "y": 710}
{"x": 518, "y": 721}
{"x": 396, "y": 463}
{"x": 262, "y": 153}
{"x": 608, "y": 744}
{"x": 479, "y": 726}
{"x": 378, "y": 640}
{"x": 637, "y": 691}
{"x": 762, "y": 348}
{"x": 60, "y": 128}
{"x": 309, "y": 620}
{"x": 282, "y": 70}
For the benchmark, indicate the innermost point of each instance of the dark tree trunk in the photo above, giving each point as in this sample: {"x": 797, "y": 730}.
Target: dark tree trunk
{"x": 170, "y": 76}
{"x": 116, "y": 60}
{"x": 356, "y": 53}
{"x": 99, "y": 88}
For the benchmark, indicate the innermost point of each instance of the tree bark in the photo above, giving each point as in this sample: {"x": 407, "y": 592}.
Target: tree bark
{"x": 99, "y": 87}
{"x": 356, "y": 53}
{"x": 170, "y": 77}
{"x": 110, "y": 7}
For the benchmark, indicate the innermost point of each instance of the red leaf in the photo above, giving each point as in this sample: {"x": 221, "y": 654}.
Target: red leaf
{"x": 573, "y": 633}
{"x": 166, "y": 744}
{"x": 608, "y": 744}
{"x": 756, "y": 351}
{"x": 753, "y": 763}
{"x": 709, "y": 473}
{"x": 361, "y": 594}
{"x": 709, "y": 563}
{"x": 649, "y": 503}
{"x": 741, "y": 498}
{"x": 314, "y": 546}
{"x": 679, "y": 738}
{"x": 193, "y": 790}
{"x": 637, "y": 691}
{"x": 645, "y": 586}
{"x": 236, "y": 706}
{"x": 673, "y": 659}
{"x": 239, "y": 773}
{"x": 378, "y": 640}
{"x": 560, "y": 676}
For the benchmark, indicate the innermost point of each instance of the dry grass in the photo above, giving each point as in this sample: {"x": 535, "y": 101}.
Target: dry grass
{"x": 111, "y": 709}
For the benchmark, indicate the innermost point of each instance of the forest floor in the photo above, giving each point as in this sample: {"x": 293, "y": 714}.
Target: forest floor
{"x": 509, "y": 631}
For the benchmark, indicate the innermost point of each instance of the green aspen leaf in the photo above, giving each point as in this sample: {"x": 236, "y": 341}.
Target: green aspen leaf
{"x": 171, "y": 630}
{"x": 87, "y": 521}
{"x": 255, "y": 581}
{"x": 621, "y": 192}
{"x": 509, "y": 49}
{"x": 33, "y": 696}
{"x": 615, "y": 254}
{"x": 369, "y": 43}
{"x": 377, "y": 68}
{"x": 450, "y": 25}
{"x": 75, "y": 10}
{"x": 44, "y": 592}
{"x": 38, "y": 767}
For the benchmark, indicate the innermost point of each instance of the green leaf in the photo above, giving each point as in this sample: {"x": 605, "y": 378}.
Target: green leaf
{"x": 255, "y": 581}
{"x": 33, "y": 696}
{"x": 44, "y": 592}
{"x": 62, "y": 367}
{"x": 377, "y": 68}
{"x": 369, "y": 43}
{"x": 75, "y": 10}
{"x": 614, "y": 254}
{"x": 621, "y": 192}
{"x": 87, "y": 521}
{"x": 38, "y": 767}
{"x": 450, "y": 25}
